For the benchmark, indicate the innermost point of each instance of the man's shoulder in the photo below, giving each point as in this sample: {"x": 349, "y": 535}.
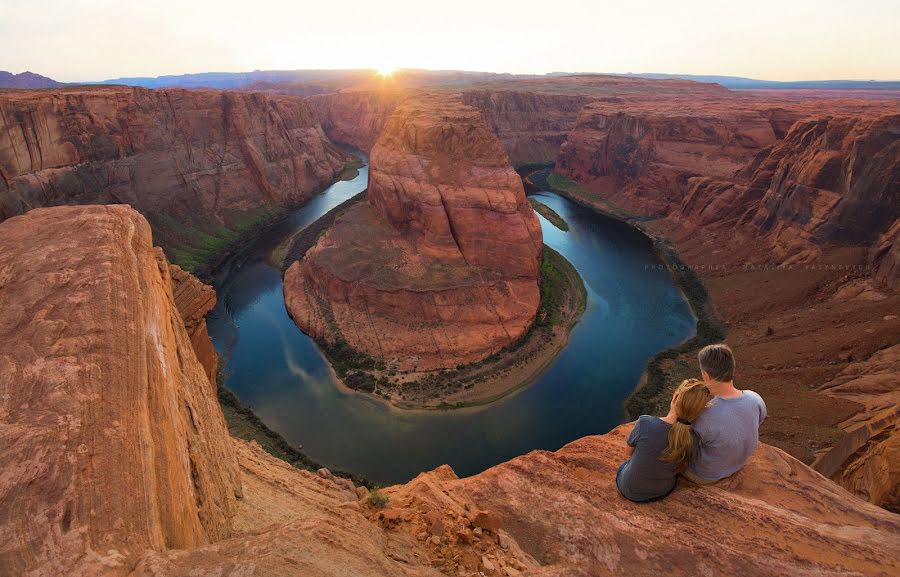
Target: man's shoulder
{"x": 754, "y": 396}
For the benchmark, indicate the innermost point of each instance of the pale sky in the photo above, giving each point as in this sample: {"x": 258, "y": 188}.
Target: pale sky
{"x": 83, "y": 40}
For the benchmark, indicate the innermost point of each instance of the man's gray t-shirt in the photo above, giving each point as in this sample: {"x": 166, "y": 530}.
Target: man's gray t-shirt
{"x": 726, "y": 434}
{"x": 645, "y": 476}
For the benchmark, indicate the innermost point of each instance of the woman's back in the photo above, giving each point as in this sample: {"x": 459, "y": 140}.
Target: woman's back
{"x": 646, "y": 475}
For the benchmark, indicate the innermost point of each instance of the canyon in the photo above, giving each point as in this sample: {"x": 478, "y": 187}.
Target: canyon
{"x": 202, "y": 166}
{"x": 440, "y": 266}
{"x": 116, "y": 456}
{"x": 797, "y": 191}
{"x": 116, "y": 461}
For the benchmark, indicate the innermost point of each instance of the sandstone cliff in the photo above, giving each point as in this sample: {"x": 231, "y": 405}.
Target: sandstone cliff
{"x": 191, "y": 161}
{"x": 112, "y": 440}
{"x": 531, "y": 126}
{"x": 830, "y": 180}
{"x": 440, "y": 267}
{"x": 644, "y": 152}
{"x": 355, "y": 118}
{"x": 116, "y": 462}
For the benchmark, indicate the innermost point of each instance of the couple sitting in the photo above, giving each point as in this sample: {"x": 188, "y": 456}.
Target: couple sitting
{"x": 710, "y": 432}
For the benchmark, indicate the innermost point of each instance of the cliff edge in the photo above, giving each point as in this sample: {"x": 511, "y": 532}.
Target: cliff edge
{"x": 116, "y": 462}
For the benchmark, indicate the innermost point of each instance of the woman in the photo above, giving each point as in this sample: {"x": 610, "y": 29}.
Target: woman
{"x": 660, "y": 448}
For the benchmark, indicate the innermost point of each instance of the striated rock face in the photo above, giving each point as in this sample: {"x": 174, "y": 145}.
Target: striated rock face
{"x": 646, "y": 152}
{"x": 193, "y": 300}
{"x": 866, "y": 461}
{"x": 355, "y": 118}
{"x": 833, "y": 179}
{"x": 112, "y": 441}
{"x": 531, "y": 126}
{"x": 441, "y": 267}
{"x": 116, "y": 462}
{"x": 188, "y": 160}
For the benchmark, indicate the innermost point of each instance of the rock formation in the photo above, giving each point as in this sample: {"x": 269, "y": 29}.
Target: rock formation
{"x": 355, "y": 118}
{"x": 644, "y": 152}
{"x": 531, "y": 126}
{"x": 116, "y": 462}
{"x": 112, "y": 441}
{"x": 194, "y": 300}
{"x": 191, "y": 161}
{"x": 830, "y": 180}
{"x": 441, "y": 266}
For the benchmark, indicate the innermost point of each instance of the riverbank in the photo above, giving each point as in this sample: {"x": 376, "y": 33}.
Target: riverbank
{"x": 563, "y": 300}
{"x": 668, "y": 367}
{"x": 203, "y": 251}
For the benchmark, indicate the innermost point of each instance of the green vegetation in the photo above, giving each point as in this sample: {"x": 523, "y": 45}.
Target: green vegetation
{"x": 295, "y": 247}
{"x": 199, "y": 249}
{"x": 669, "y": 367}
{"x": 244, "y": 424}
{"x": 558, "y": 279}
{"x": 551, "y": 215}
{"x": 378, "y": 499}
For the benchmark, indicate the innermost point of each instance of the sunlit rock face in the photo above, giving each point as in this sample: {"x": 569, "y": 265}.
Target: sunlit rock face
{"x": 441, "y": 266}
{"x": 189, "y": 160}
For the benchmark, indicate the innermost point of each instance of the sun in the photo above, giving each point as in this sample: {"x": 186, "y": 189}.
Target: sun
{"x": 385, "y": 71}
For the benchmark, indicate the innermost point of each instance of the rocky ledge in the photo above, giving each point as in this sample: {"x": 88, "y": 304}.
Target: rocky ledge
{"x": 440, "y": 267}
{"x": 116, "y": 462}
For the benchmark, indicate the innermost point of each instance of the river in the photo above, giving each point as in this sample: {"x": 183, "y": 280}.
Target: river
{"x": 633, "y": 311}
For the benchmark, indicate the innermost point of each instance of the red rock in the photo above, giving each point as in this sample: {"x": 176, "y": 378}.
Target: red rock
{"x": 441, "y": 267}
{"x": 187, "y": 159}
{"x": 194, "y": 300}
{"x": 112, "y": 437}
{"x": 486, "y": 520}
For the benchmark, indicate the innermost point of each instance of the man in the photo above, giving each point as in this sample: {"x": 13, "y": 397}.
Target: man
{"x": 728, "y": 430}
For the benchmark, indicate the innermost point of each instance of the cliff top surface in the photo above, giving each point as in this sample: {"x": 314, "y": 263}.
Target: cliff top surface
{"x": 116, "y": 462}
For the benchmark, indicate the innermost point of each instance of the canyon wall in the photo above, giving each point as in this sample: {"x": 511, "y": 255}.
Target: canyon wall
{"x": 531, "y": 126}
{"x": 355, "y": 118}
{"x": 191, "y": 161}
{"x": 830, "y": 180}
{"x": 112, "y": 440}
{"x": 116, "y": 462}
{"x": 643, "y": 153}
{"x": 441, "y": 266}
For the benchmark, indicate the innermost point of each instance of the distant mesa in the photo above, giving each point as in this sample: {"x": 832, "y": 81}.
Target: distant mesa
{"x": 441, "y": 266}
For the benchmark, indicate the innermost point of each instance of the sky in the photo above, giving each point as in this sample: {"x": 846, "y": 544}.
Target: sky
{"x": 86, "y": 40}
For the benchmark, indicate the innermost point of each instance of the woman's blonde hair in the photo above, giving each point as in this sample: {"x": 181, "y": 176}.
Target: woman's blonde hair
{"x": 691, "y": 398}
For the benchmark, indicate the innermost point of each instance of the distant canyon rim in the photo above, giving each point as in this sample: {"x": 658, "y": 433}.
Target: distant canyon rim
{"x": 785, "y": 207}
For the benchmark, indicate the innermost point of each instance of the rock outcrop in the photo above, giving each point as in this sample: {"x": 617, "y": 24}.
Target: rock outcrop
{"x": 441, "y": 266}
{"x": 112, "y": 440}
{"x": 116, "y": 462}
{"x": 194, "y": 300}
{"x": 531, "y": 126}
{"x": 830, "y": 180}
{"x": 645, "y": 152}
{"x": 356, "y": 118}
{"x": 191, "y": 161}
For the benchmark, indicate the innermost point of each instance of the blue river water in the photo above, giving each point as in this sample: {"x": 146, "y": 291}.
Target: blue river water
{"x": 633, "y": 311}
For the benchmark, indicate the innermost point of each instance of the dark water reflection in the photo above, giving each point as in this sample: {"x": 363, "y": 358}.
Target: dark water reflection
{"x": 633, "y": 311}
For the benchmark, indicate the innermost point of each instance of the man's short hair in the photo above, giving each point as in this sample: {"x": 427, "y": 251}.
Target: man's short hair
{"x": 717, "y": 361}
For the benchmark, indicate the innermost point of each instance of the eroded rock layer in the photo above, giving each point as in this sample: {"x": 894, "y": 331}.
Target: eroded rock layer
{"x": 116, "y": 462}
{"x": 189, "y": 160}
{"x": 830, "y": 180}
{"x": 441, "y": 266}
{"x": 112, "y": 440}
